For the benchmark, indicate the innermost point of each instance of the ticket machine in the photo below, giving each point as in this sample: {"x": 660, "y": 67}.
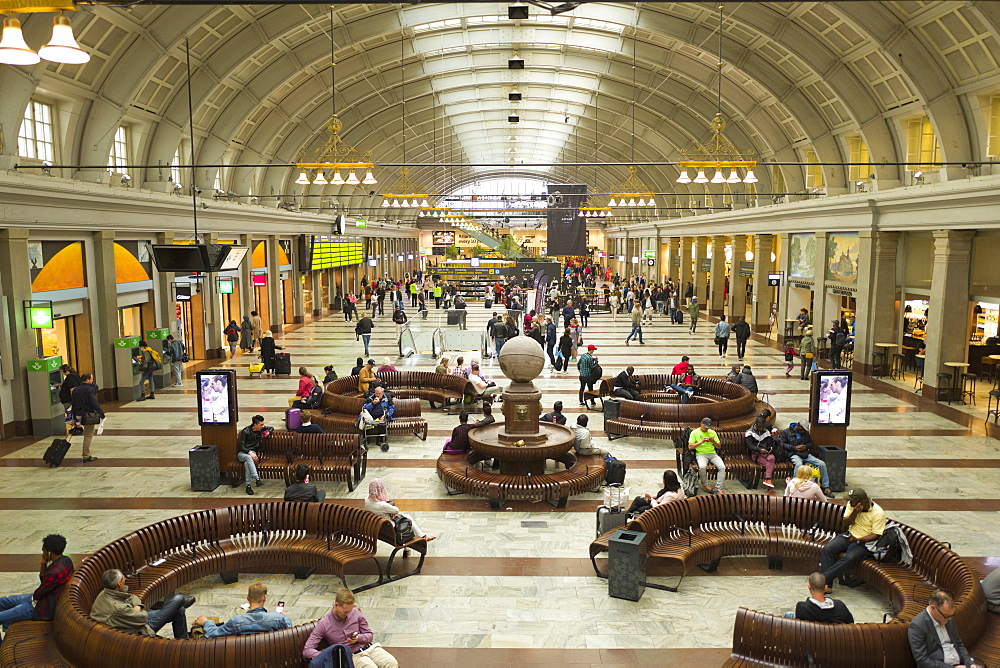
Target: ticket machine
{"x": 48, "y": 417}
{"x": 127, "y": 373}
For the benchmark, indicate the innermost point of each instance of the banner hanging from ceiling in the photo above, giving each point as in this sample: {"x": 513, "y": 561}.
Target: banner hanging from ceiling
{"x": 567, "y": 234}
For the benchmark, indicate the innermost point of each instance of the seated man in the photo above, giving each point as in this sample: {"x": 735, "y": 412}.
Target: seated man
{"x": 486, "y": 389}
{"x": 119, "y": 609}
{"x": 582, "y": 442}
{"x": 934, "y": 640}
{"x": 819, "y": 608}
{"x": 307, "y": 426}
{"x": 255, "y": 620}
{"x": 247, "y": 445}
{"x": 556, "y": 415}
{"x": 867, "y": 526}
{"x": 345, "y": 625}
{"x": 746, "y": 379}
{"x": 366, "y": 376}
{"x": 991, "y": 588}
{"x": 302, "y": 489}
{"x": 376, "y": 414}
{"x": 681, "y": 367}
{"x": 799, "y": 446}
{"x": 487, "y": 416}
{"x": 685, "y": 387}
{"x": 460, "y": 369}
{"x": 459, "y": 441}
{"x": 53, "y": 573}
{"x": 626, "y": 385}
{"x": 704, "y": 440}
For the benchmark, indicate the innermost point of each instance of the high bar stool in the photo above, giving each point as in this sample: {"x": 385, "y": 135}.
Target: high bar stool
{"x": 944, "y": 387}
{"x": 878, "y": 363}
{"x": 896, "y": 370}
{"x": 968, "y": 388}
{"x": 918, "y": 380}
{"x": 991, "y": 409}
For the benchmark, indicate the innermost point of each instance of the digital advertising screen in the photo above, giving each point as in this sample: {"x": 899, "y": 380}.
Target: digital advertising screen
{"x": 216, "y": 397}
{"x": 443, "y": 238}
{"x": 831, "y": 400}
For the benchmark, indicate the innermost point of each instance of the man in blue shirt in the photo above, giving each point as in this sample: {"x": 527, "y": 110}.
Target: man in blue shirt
{"x": 380, "y": 410}
{"x": 568, "y": 313}
{"x": 255, "y": 620}
{"x": 550, "y": 339}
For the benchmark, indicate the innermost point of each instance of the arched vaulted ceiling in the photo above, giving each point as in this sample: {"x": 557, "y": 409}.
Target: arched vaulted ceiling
{"x": 796, "y": 76}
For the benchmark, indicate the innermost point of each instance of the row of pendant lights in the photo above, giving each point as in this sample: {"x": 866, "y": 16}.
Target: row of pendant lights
{"x": 632, "y": 202}
{"x": 337, "y": 180}
{"x": 62, "y": 46}
{"x": 734, "y": 177}
{"x": 405, "y": 204}
{"x": 594, "y": 214}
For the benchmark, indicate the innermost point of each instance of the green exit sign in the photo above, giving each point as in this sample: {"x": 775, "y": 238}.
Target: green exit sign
{"x": 225, "y": 287}
{"x": 649, "y": 253}
{"x": 361, "y": 223}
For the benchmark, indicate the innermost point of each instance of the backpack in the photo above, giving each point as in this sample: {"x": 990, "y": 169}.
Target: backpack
{"x": 614, "y": 472}
{"x": 690, "y": 482}
{"x": 315, "y": 398}
{"x": 150, "y": 360}
{"x": 840, "y": 339}
{"x": 404, "y": 529}
{"x": 887, "y": 549}
{"x": 596, "y": 373}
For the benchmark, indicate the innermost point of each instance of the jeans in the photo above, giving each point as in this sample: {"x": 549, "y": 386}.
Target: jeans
{"x": 636, "y": 329}
{"x": 499, "y": 341}
{"x": 741, "y": 347}
{"x": 178, "y": 372}
{"x": 549, "y": 350}
{"x": 684, "y": 391}
{"x": 835, "y": 357}
{"x": 853, "y": 553}
{"x": 585, "y": 383}
{"x": 625, "y": 393}
{"x": 147, "y": 375}
{"x": 715, "y": 460}
{"x": 367, "y": 338}
{"x": 806, "y": 367}
{"x": 232, "y": 347}
{"x": 723, "y": 344}
{"x": 16, "y": 608}
{"x": 766, "y": 461}
{"x": 173, "y": 612}
{"x": 373, "y": 657}
{"x": 824, "y": 477}
{"x": 659, "y": 307}
{"x": 694, "y": 321}
{"x": 249, "y": 467}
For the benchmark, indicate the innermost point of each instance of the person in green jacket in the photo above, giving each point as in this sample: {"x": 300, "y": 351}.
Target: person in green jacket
{"x": 807, "y": 351}
{"x": 438, "y": 292}
{"x": 693, "y": 310}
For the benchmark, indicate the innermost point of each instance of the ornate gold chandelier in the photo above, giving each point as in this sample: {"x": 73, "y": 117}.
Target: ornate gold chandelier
{"x": 332, "y": 158}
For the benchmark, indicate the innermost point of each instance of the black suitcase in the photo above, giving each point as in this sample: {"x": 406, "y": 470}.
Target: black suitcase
{"x": 679, "y": 317}
{"x": 608, "y": 519}
{"x": 489, "y": 303}
{"x": 56, "y": 452}
{"x": 614, "y": 473}
{"x": 282, "y": 363}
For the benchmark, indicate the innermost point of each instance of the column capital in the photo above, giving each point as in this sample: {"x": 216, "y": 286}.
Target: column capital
{"x": 14, "y": 234}
{"x": 953, "y": 244}
{"x": 104, "y": 234}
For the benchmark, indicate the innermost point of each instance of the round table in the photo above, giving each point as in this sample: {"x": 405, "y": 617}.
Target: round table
{"x": 885, "y": 349}
{"x": 956, "y": 391}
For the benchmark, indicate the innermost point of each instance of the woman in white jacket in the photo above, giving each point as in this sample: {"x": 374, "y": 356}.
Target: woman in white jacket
{"x": 378, "y": 502}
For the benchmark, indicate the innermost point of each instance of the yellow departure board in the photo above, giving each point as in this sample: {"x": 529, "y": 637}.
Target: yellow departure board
{"x": 334, "y": 251}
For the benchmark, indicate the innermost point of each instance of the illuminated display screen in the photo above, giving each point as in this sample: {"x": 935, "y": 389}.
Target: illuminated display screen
{"x": 335, "y": 251}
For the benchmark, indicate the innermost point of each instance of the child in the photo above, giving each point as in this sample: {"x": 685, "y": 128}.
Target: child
{"x": 790, "y": 356}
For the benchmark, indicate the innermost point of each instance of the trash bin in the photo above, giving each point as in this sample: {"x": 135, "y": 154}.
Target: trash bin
{"x": 203, "y": 460}
{"x": 836, "y": 466}
{"x": 611, "y": 408}
{"x": 627, "y": 564}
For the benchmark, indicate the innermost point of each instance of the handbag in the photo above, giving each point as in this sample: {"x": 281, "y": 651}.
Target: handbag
{"x": 616, "y": 497}
{"x": 404, "y": 529}
{"x": 90, "y": 418}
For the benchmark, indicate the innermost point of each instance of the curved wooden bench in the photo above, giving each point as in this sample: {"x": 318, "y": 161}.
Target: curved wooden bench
{"x": 266, "y": 537}
{"x": 344, "y": 413}
{"x": 702, "y": 530}
{"x": 461, "y": 476}
{"x": 432, "y": 387}
{"x": 668, "y": 420}
{"x": 739, "y": 466}
{"x": 333, "y": 457}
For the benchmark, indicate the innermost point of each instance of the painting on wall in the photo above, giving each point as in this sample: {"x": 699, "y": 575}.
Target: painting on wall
{"x": 128, "y": 267}
{"x": 842, "y": 257}
{"x": 802, "y": 255}
{"x": 56, "y": 265}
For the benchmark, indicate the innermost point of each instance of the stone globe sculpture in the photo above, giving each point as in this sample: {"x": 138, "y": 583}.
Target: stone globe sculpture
{"x": 522, "y": 359}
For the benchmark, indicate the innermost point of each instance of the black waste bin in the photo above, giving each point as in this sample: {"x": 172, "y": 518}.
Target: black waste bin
{"x": 611, "y": 408}
{"x": 836, "y": 466}
{"x": 203, "y": 460}
{"x": 627, "y": 564}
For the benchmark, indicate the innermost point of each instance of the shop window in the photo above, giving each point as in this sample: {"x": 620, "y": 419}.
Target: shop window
{"x": 34, "y": 139}
{"x": 922, "y": 147}
{"x": 130, "y": 321}
{"x": 118, "y": 157}
{"x": 993, "y": 127}
{"x": 859, "y": 153}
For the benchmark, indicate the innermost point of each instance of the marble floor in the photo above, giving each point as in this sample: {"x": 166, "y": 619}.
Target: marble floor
{"x": 494, "y": 591}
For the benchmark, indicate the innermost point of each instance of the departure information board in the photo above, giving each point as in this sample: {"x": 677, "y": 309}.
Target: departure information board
{"x": 335, "y": 251}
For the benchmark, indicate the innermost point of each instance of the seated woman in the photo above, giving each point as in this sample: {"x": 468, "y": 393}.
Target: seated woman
{"x": 378, "y": 502}
{"x": 306, "y": 384}
{"x": 672, "y": 491}
{"x": 386, "y": 365}
{"x": 459, "y": 443}
{"x": 734, "y": 371}
{"x": 686, "y": 387}
{"x": 802, "y": 486}
{"x": 764, "y": 449}
{"x": 442, "y": 366}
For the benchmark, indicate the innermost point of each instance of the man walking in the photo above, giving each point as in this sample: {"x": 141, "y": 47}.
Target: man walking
{"x": 568, "y": 313}
{"x": 636, "y": 318}
{"x": 693, "y": 310}
{"x": 586, "y": 365}
{"x": 364, "y": 329}
{"x": 84, "y": 401}
{"x": 741, "y": 329}
{"x": 550, "y": 339}
{"x": 176, "y": 350}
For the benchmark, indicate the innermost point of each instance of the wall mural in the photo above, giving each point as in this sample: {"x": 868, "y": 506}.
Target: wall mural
{"x": 131, "y": 262}
{"x": 56, "y": 265}
{"x": 802, "y": 255}
{"x": 259, "y": 256}
{"x": 842, "y": 257}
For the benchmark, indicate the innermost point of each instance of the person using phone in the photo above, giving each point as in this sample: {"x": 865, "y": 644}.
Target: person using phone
{"x": 54, "y": 572}
{"x": 346, "y": 627}
{"x": 247, "y": 445}
{"x": 255, "y": 620}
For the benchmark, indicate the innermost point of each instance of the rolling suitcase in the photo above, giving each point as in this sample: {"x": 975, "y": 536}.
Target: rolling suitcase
{"x": 56, "y": 452}
{"x": 679, "y": 317}
{"x": 283, "y": 364}
{"x": 608, "y": 519}
{"x": 293, "y": 419}
{"x": 489, "y": 303}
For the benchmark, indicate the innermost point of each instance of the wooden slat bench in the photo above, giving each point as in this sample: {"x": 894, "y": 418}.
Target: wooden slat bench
{"x": 333, "y": 457}
{"x": 461, "y": 476}
{"x": 344, "y": 412}
{"x": 31, "y": 644}
{"x": 261, "y": 538}
{"x": 427, "y": 385}
{"x": 739, "y": 466}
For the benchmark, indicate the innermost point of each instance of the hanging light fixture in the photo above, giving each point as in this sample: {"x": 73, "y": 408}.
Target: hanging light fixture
{"x": 13, "y": 49}
{"x": 750, "y": 178}
{"x": 684, "y": 178}
{"x": 718, "y": 177}
{"x": 62, "y": 46}
{"x": 320, "y": 179}
{"x": 701, "y": 178}
{"x": 395, "y": 204}
{"x": 303, "y": 179}
{"x": 369, "y": 179}
{"x": 352, "y": 179}
{"x": 337, "y": 179}
{"x": 385, "y": 203}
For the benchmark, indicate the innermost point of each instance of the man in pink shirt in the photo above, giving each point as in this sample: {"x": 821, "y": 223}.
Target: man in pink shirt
{"x": 345, "y": 625}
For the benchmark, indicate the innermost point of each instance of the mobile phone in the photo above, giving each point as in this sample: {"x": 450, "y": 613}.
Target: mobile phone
{"x": 281, "y": 607}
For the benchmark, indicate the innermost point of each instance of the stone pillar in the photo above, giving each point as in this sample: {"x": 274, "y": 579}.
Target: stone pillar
{"x": 274, "y": 310}
{"x": 14, "y": 280}
{"x": 877, "y": 307}
{"x": 765, "y": 294}
{"x": 298, "y": 296}
{"x": 103, "y": 301}
{"x": 947, "y": 327}
{"x": 212, "y": 315}
{"x": 684, "y": 271}
{"x": 667, "y": 254}
{"x": 785, "y": 309}
{"x": 700, "y": 277}
{"x": 316, "y": 282}
{"x": 244, "y": 279}
{"x": 716, "y": 301}
{"x": 737, "y": 283}
{"x": 166, "y": 305}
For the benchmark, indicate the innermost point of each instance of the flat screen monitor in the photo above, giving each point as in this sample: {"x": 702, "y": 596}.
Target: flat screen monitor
{"x": 443, "y": 238}
{"x": 232, "y": 257}
{"x": 831, "y": 397}
{"x": 216, "y": 397}
{"x": 180, "y": 258}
